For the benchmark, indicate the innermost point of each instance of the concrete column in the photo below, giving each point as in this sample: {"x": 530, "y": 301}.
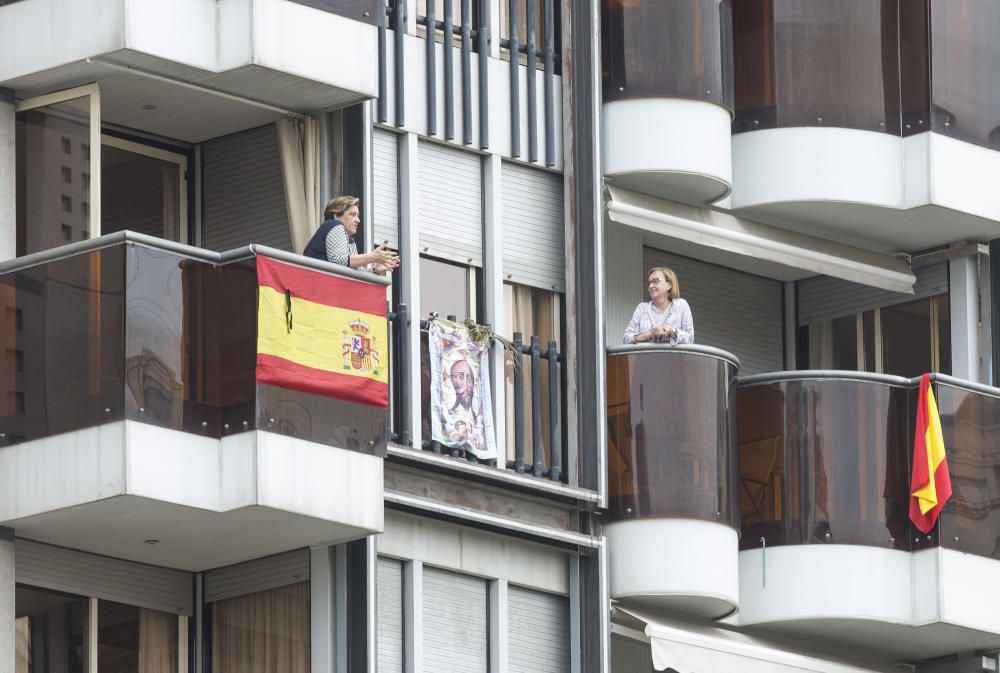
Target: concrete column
{"x": 7, "y": 185}
{"x": 493, "y": 283}
{"x": 964, "y": 299}
{"x": 6, "y": 599}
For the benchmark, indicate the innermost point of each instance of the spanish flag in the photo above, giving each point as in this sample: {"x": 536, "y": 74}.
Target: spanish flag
{"x": 930, "y": 484}
{"x": 321, "y": 334}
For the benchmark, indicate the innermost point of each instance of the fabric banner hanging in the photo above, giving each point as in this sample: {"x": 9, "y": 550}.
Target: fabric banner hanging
{"x": 461, "y": 408}
{"x": 321, "y": 334}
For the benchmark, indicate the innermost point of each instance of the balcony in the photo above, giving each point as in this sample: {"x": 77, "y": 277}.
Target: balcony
{"x": 132, "y": 424}
{"x": 671, "y": 479}
{"x": 668, "y": 98}
{"x": 867, "y": 123}
{"x": 194, "y": 69}
{"x": 827, "y": 551}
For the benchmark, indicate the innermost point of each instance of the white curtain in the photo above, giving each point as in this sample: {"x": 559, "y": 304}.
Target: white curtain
{"x": 298, "y": 146}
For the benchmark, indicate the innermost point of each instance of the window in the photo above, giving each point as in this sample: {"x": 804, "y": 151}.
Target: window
{"x": 67, "y": 174}
{"x": 275, "y": 621}
{"x": 532, "y": 312}
{"x": 131, "y": 639}
{"x": 67, "y": 232}
{"x": 67, "y": 204}
{"x": 67, "y": 146}
{"x": 447, "y": 289}
{"x": 49, "y": 631}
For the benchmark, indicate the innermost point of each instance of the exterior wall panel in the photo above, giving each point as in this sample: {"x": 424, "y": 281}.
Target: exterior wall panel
{"x": 539, "y": 632}
{"x": 450, "y": 202}
{"x": 390, "y": 615}
{"x": 257, "y": 575}
{"x": 533, "y": 240}
{"x": 385, "y": 209}
{"x": 455, "y": 628}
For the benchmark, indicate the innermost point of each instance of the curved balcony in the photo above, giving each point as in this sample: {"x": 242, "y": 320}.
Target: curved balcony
{"x": 834, "y": 104}
{"x": 671, "y": 472}
{"x": 827, "y": 548}
{"x": 667, "y": 97}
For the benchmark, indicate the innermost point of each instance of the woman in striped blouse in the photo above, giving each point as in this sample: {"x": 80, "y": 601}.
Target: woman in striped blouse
{"x": 334, "y": 240}
{"x": 665, "y": 318}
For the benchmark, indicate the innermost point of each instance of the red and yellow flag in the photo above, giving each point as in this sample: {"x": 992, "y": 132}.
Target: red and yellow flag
{"x": 930, "y": 484}
{"x": 321, "y": 334}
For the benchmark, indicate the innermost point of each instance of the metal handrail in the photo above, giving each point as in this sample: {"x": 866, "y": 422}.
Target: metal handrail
{"x": 690, "y": 349}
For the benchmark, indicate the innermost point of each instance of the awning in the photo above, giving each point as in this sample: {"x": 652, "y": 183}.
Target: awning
{"x": 689, "y": 648}
{"x": 721, "y": 232}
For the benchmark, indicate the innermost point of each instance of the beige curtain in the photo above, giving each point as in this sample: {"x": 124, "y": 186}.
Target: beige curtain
{"x": 298, "y": 147}
{"x": 158, "y": 633}
{"x": 171, "y": 199}
{"x": 530, "y": 311}
{"x": 265, "y": 632}
{"x": 22, "y": 645}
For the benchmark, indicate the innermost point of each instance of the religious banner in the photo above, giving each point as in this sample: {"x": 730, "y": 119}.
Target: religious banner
{"x": 461, "y": 407}
{"x": 321, "y": 334}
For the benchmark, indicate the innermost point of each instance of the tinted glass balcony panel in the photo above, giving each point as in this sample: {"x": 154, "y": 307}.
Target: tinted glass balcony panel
{"x": 964, "y": 57}
{"x": 805, "y": 63}
{"x": 172, "y": 318}
{"x": 656, "y": 49}
{"x": 824, "y": 461}
{"x": 670, "y": 435}
{"x": 970, "y": 422}
{"x": 62, "y": 333}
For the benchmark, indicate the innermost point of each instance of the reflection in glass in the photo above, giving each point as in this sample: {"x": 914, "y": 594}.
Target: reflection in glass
{"x": 825, "y": 461}
{"x": 135, "y": 640}
{"x": 652, "y": 48}
{"x": 140, "y": 193}
{"x": 445, "y": 289}
{"x": 49, "y": 630}
{"x": 907, "y": 338}
{"x": 49, "y": 143}
{"x": 807, "y": 63}
{"x": 264, "y": 632}
{"x": 670, "y": 436}
{"x": 62, "y": 332}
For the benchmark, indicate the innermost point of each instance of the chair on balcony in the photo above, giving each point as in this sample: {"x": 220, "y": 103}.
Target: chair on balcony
{"x": 757, "y": 461}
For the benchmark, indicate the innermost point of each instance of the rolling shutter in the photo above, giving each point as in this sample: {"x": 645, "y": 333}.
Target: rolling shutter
{"x": 389, "y": 603}
{"x": 102, "y": 577}
{"x": 257, "y": 575}
{"x": 539, "y": 632}
{"x": 455, "y": 633}
{"x": 385, "y": 210}
{"x": 450, "y": 203}
{"x": 533, "y": 240}
{"x": 244, "y": 192}
{"x": 824, "y": 297}
{"x": 735, "y": 311}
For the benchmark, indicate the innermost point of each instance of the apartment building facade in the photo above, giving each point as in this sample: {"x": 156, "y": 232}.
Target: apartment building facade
{"x": 816, "y": 173}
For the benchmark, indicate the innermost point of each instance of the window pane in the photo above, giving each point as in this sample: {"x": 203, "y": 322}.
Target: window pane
{"x": 48, "y": 631}
{"x": 139, "y": 193}
{"x": 444, "y": 288}
{"x": 944, "y": 333}
{"x": 833, "y": 344}
{"x": 135, "y": 640}
{"x": 49, "y": 142}
{"x": 906, "y": 338}
{"x": 275, "y": 622}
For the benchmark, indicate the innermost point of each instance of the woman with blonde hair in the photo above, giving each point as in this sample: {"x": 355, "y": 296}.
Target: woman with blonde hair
{"x": 334, "y": 240}
{"x": 665, "y": 318}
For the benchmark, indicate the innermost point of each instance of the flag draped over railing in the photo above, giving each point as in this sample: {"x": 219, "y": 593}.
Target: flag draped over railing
{"x": 321, "y": 334}
{"x": 930, "y": 483}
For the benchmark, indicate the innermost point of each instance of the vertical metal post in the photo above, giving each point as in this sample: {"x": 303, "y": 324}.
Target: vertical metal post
{"x": 383, "y": 87}
{"x": 554, "y": 452}
{"x": 515, "y": 79}
{"x": 518, "y": 406}
{"x": 548, "y": 23}
{"x": 484, "y": 38}
{"x": 467, "y": 72}
{"x": 536, "y": 406}
{"x": 532, "y": 96}
{"x": 403, "y": 339}
{"x": 449, "y": 74}
{"x": 431, "y": 45}
{"x": 399, "y": 30}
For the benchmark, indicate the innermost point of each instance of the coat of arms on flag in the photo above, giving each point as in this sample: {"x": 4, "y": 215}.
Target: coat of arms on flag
{"x": 461, "y": 407}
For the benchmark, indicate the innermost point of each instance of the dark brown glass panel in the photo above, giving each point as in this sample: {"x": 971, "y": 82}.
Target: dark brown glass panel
{"x": 322, "y": 419}
{"x": 807, "y": 63}
{"x": 825, "y": 461}
{"x": 237, "y": 310}
{"x": 670, "y": 437}
{"x": 666, "y": 49}
{"x": 172, "y": 341}
{"x": 368, "y": 11}
{"x": 970, "y": 422}
{"x": 62, "y": 334}
{"x": 914, "y": 64}
{"x": 964, "y": 58}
